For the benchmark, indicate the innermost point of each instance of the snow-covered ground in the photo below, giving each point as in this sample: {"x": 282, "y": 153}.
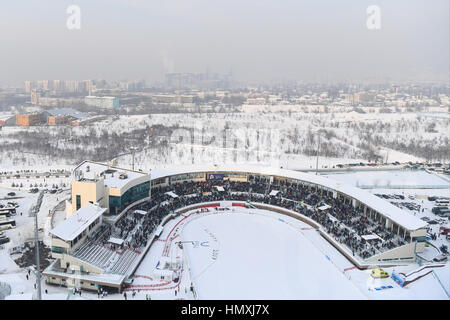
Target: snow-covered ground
{"x": 387, "y": 179}
{"x": 252, "y": 256}
{"x": 288, "y": 138}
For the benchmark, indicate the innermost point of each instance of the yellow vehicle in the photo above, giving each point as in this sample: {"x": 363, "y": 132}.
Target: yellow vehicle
{"x": 379, "y": 273}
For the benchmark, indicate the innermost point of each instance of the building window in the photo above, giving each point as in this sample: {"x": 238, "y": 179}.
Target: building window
{"x": 420, "y": 239}
{"x": 58, "y": 249}
{"x": 78, "y": 201}
{"x": 117, "y": 204}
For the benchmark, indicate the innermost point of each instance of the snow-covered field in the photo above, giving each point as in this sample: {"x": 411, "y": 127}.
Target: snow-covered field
{"x": 387, "y": 179}
{"x": 252, "y": 256}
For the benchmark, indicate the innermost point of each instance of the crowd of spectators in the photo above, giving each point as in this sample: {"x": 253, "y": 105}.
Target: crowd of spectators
{"x": 341, "y": 220}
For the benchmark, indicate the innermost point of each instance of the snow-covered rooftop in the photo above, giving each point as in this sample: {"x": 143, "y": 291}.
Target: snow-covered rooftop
{"x": 382, "y": 206}
{"x": 115, "y": 241}
{"x": 114, "y": 177}
{"x": 68, "y": 112}
{"x": 70, "y": 228}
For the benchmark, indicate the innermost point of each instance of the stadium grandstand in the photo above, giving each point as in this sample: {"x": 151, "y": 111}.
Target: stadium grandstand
{"x": 112, "y": 228}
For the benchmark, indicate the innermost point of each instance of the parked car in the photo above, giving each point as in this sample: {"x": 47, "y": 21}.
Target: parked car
{"x": 425, "y": 219}
{"x": 432, "y": 222}
{"x": 444, "y": 213}
{"x": 440, "y": 258}
{"x": 436, "y": 210}
{"x": 4, "y": 240}
{"x": 11, "y": 194}
{"x": 379, "y": 273}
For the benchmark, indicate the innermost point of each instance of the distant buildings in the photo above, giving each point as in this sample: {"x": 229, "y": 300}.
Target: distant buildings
{"x": 166, "y": 98}
{"x": 29, "y": 119}
{"x": 59, "y": 102}
{"x": 198, "y": 80}
{"x": 27, "y": 86}
{"x": 256, "y": 100}
{"x": 361, "y": 97}
{"x": 35, "y": 96}
{"x": 137, "y": 85}
{"x": 54, "y": 117}
{"x": 102, "y": 102}
{"x": 59, "y": 86}
{"x": 64, "y": 116}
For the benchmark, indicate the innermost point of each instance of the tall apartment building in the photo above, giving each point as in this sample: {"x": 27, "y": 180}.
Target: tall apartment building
{"x": 35, "y": 96}
{"x": 43, "y": 84}
{"x": 58, "y": 85}
{"x": 28, "y": 86}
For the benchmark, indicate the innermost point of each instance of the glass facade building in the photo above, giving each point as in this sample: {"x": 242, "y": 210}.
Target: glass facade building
{"x": 138, "y": 192}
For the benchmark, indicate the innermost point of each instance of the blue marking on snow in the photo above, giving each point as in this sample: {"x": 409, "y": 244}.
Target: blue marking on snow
{"x": 383, "y": 288}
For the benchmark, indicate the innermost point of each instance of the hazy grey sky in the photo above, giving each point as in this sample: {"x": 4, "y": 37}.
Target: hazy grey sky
{"x": 258, "y": 39}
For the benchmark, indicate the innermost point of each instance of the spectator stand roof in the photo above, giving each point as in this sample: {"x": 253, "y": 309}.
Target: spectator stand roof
{"x": 116, "y": 241}
{"x": 274, "y": 192}
{"x": 369, "y": 237}
{"x": 72, "y": 227}
{"x": 159, "y": 230}
{"x": 141, "y": 212}
{"x": 324, "y": 207}
{"x": 382, "y": 206}
{"x": 172, "y": 194}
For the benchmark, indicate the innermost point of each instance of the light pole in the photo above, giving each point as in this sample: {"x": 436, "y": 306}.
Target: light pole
{"x": 317, "y": 159}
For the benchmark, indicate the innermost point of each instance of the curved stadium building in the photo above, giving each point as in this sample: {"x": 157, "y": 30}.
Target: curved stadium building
{"x": 104, "y": 194}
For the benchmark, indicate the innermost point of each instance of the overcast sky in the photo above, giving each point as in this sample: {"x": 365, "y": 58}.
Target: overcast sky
{"x": 314, "y": 40}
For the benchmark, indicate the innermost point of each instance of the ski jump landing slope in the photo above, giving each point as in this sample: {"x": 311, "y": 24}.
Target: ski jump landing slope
{"x": 251, "y": 256}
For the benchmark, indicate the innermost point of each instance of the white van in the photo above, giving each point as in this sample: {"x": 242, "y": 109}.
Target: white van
{"x": 442, "y": 202}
